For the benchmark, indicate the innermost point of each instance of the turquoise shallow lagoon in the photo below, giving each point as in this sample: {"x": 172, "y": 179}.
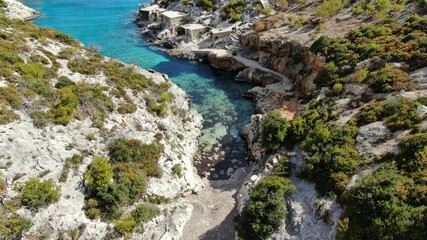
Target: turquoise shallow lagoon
{"x": 214, "y": 93}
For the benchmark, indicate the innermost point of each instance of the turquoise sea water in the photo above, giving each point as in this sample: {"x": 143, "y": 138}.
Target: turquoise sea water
{"x": 215, "y": 94}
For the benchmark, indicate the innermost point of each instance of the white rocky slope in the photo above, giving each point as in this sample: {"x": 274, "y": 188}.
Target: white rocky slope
{"x": 17, "y": 10}
{"x": 28, "y": 151}
{"x": 310, "y": 216}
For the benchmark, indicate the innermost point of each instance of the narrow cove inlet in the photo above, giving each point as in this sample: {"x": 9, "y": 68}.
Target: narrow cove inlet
{"x": 214, "y": 93}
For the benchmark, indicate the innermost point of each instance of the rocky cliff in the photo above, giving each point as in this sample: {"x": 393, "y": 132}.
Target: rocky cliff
{"x": 61, "y": 100}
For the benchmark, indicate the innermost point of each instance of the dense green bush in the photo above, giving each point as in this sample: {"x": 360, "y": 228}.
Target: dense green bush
{"x": 133, "y": 151}
{"x": 205, "y": 4}
{"x": 10, "y": 96}
{"x": 33, "y": 70}
{"x": 100, "y": 174}
{"x": 142, "y": 213}
{"x": 273, "y": 130}
{"x": 63, "y": 112}
{"x": 398, "y": 114}
{"x": 330, "y": 7}
{"x": 35, "y": 193}
{"x": 122, "y": 181}
{"x": 12, "y": 226}
{"x": 389, "y": 79}
{"x": 125, "y": 224}
{"x": 384, "y": 42}
{"x": 64, "y": 81}
{"x": 413, "y": 152}
{"x": 233, "y": 9}
{"x": 330, "y": 150}
{"x": 145, "y": 212}
{"x": 266, "y": 210}
{"x": 7, "y": 115}
{"x": 378, "y": 209}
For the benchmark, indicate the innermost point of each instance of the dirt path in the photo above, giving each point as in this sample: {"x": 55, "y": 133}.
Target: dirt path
{"x": 214, "y": 209}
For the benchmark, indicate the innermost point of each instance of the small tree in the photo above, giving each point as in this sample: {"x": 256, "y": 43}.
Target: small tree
{"x": 99, "y": 174}
{"x": 38, "y": 194}
{"x": 274, "y": 129}
{"x": 266, "y": 210}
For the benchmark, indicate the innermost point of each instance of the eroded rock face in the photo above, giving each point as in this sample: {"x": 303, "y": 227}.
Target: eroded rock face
{"x": 223, "y": 59}
{"x": 249, "y": 75}
{"x": 286, "y": 57}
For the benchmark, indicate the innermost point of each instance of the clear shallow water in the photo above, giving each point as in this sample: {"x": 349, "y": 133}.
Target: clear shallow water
{"x": 215, "y": 94}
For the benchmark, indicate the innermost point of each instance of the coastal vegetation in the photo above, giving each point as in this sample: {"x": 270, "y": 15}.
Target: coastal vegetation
{"x": 68, "y": 99}
{"x": 36, "y": 194}
{"x": 35, "y": 83}
{"x": 266, "y": 209}
{"x": 382, "y": 44}
{"x": 120, "y": 180}
{"x": 390, "y": 203}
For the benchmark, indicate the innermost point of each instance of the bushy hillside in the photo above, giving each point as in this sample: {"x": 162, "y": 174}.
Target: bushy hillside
{"x": 90, "y": 146}
{"x": 363, "y": 128}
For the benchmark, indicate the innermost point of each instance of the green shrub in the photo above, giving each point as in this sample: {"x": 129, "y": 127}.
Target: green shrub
{"x": 330, "y": 150}
{"x": 100, "y": 174}
{"x": 64, "y": 81}
{"x": 66, "y": 53}
{"x": 273, "y": 130}
{"x": 40, "y": 87}
{"x": 205, "y": 4}
{"x": 398, "y": 114}
{"x": 83, "y": 66}
{"x": 156, "y": 199}
{"x": 3, "y": 185}
{"x": 145, "y": 212}
{"x": 233, "y": 9}
{"x": 63, "y": 112}
{"x": 177, "y": 170}
{"x": 36, "y": 194}
{"x": 412, "y": 152}
{"x": 66, "y": 39}
{"x": 266, "y": 210}
{"x": 160, "y": 109}
{"x": 389, "y": 79}
{"x": 126, "y": 108}
{"x": 125, "y": 225}
{"x": 40, "y": 118}
{"x": 33, "y": 70}
{"x": 10, "y": 96}
{"x": 378, "y": 209}
{"x": 403, "y": 116}
{"x": 7, "y": 116}
{"x": 330, "y": 7}
{"x": 132, "y": 150}
{"x": 93, "y": 213}
{"x": 13, "y": 226}
{"x": 371, "y": 113}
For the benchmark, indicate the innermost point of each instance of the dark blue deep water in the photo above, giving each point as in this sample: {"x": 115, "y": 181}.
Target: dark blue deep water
{"x": 109, "y": 24}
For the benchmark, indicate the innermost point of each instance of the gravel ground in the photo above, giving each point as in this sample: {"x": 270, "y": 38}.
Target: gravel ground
{"x": 214, "y": 209}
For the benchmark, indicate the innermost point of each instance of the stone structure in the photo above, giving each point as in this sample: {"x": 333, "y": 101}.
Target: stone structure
{"x": 171, "y": 19}
{"x": 151, "y": 13}
{"x": 220, "y": 33}
{"x": 193, "y": 31}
